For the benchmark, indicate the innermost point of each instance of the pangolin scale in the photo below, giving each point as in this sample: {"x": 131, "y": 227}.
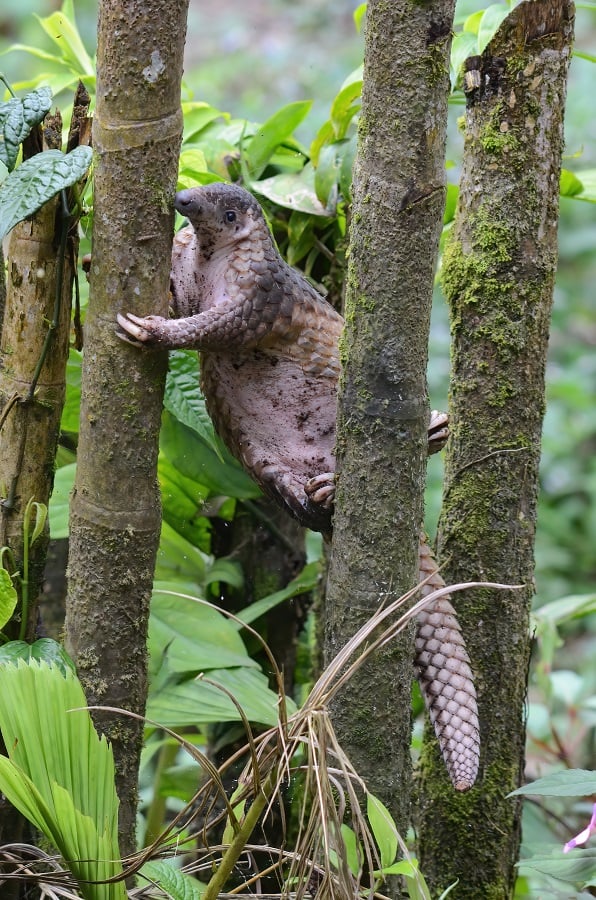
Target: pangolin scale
{"x": 269, "y": 372}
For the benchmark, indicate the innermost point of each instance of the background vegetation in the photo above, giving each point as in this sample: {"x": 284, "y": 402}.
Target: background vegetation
{"x": 250, "y": 59}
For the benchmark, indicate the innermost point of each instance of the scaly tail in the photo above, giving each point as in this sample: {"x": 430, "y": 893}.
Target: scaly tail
{"x": 446, "y": 680}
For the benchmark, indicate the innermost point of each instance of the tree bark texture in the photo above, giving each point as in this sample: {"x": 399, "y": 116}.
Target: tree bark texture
{"x": 115, "y": 512}
{"x": 32, "y": 381}
{"x": 383, "y": 409}
{"x": 498, "y": 275}
{"x": 35, "y": 301}
{"x": 2, "y": 287}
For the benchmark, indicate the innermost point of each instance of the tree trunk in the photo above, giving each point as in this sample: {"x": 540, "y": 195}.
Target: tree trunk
{"x": 498, "y": 274}
{"x": 115, "y": 513}
{"x": 383, "y": 410}
{"x": 36, "y": 307}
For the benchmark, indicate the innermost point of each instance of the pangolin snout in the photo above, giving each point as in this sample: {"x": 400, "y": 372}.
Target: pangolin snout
{"x": 187, "y": 202}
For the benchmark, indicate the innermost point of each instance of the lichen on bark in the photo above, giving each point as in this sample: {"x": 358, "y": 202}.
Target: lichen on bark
{"x": 498, "y": 276}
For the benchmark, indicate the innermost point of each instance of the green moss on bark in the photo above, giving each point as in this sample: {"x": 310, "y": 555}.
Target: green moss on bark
{"x": 498, "y": 273}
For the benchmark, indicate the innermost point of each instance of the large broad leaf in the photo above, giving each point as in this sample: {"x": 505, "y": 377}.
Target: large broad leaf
{"x": 219, "y": 472}
{"x": 570, "y": 783}
{"x": 60, "y": 774}
{"x": 17, "y": 118}
{"x": 44, "y": 650}
{"x": 196, "y": 702}
{"x": 172, "y": 881}
{"x": 183, "y": 397}
{"x": 272, "y": 133}
{"x": 37, "y": 180}
{"x": 576, "y": 867}
{"x": 565, "y": 609}
{"x": 302, "y": 584}
{"x": 62, "y": 29}
{"x": 194, "y": 636}
{"x": 178, "y": 559}
{"x": 197, "y": 115}
{"x": 296, "y": 192}
{"x": 182, "y": 501}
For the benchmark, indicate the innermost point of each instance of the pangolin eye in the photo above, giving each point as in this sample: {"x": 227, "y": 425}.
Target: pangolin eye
{"x": 230, "y": 215}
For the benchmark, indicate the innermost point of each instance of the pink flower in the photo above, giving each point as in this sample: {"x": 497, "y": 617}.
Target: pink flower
{"x": 584, "y": 835}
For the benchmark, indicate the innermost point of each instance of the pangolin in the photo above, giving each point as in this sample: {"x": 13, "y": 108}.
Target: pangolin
{"x": 269, "y": 373}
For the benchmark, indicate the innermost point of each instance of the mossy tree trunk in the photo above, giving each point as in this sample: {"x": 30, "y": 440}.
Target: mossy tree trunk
{"x": 115, "y": 512}
{"x": 383, "y": 409}
{"x": 498, "y": 275}
{"x": 36, "y": 308}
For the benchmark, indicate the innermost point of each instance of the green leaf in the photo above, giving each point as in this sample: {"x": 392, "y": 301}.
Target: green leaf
{"x": 227, "y": 570}
{"x": 472, "y": 23}
{"x": 330, "y": 171}
{"x": 196, "y": 702}
{"x": 61, "y": 28}
{"x": 464, "y": 44}
{"x": 8, "y": 599}
{"x": 60, "y": 774}
{"x": 569, "y": 184}
{"x": 183, "y": 397}
{"x": 383, "y": 829}
{"x": 301, "y": 236}
{"x": 450, "y": 203}
{"x": 346, "y": 105}
{"x": 178, "y": 559}
{"x": 175, "y": 884}
{"x": 302, "y": 584}
{"x": 192, "y": 160}
{"x": 570, "y": 783}
{"x": 293, "y": 191}
{"x": 576, "y": 867}
{"x": 60, "y": 500}
{"x": 41, "y": 515}
{"x": 567, "y": 608}
{"x": 24, "y": 796}
{"x": 51, "y": 652}
{"x": 37, "y": 180}
{"x": 581, "y": 54}
{"x": 195, "y": 636}
{"x": 403, "y": 867}
{"x": 72, "y": 406}
{"x": 490, "y": 23}
{"x": 182, "y": 501}
{"x": 588, "y": 180}
{"x": 197, "y": 115}
{"x": 277, "y": 129}
{"x": 358, "y": 15}
{"x": 189, "y": 453}
{"x": 17, "y": 118}
{"x": 354, "y": 853}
